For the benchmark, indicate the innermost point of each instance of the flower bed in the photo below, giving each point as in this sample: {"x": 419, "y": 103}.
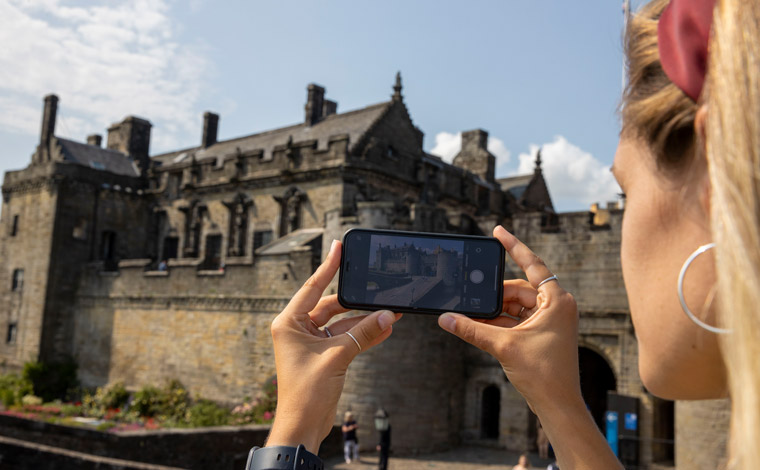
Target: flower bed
{"x": 114, "y": 409}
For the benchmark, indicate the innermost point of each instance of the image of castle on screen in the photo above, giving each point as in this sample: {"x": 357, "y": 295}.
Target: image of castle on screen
{"x": 416, "y": 272}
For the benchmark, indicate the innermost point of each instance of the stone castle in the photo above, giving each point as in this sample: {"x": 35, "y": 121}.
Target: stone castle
{"x": 146, "y": 267}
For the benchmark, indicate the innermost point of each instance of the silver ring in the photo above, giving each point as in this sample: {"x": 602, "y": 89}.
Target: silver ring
{"x": 550, "y": 278}
{"x": 355, "y": 341}
{"x": 329, "y": 335}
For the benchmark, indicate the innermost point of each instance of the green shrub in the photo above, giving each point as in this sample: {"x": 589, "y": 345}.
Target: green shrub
{"x": 170, "y": 402}
{"x": 51, "y": 380}
{"x": 206, "y": 413}
{"x": 105, "y": 398}
{"x": 13, "y": 388}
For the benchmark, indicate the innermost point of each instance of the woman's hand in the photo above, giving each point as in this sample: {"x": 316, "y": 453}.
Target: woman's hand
{"x": 311, "y": 365}
{"x": 537, "y": 346}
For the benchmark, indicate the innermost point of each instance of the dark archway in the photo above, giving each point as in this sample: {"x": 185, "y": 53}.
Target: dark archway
{"x": 596, "y": 379}
{"x": 490, "y": 411}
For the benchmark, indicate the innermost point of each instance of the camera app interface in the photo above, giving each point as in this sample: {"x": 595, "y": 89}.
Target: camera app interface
{"x": 422, "y": 272}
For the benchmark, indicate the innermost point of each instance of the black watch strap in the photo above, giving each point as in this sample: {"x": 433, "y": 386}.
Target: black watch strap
{"x": 283, "y": 458}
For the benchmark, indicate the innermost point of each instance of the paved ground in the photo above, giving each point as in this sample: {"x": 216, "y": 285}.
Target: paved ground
{"x": 461, "y": 458}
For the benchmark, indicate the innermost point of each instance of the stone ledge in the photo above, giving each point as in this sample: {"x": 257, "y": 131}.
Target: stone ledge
{"x": 156, "y": 273}
{"x": 211, "y": 272}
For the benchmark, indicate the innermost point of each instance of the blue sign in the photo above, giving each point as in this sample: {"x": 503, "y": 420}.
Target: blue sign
{"x": 631, "y": 421}
{"x": 611, "y": 419}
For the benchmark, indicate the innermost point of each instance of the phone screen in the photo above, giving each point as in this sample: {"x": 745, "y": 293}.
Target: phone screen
{"x": 409, "y": 271}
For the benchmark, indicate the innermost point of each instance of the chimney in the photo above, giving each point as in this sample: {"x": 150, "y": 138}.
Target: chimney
{"x": 210, "y": 127}
{"x": 329, "y": 107}
{"x": 132, "y": 137}
{"x": 48, "y": 119}
{"x": 475, "y": 156}
{"x": 95, "y": 139}
{"x": 314, "y": 104}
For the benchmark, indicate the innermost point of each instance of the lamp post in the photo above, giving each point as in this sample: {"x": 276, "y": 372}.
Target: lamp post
{"x": 383, "y": 426}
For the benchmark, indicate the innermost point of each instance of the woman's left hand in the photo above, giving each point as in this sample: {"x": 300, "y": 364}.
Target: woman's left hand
{"x": 311, "y": 365}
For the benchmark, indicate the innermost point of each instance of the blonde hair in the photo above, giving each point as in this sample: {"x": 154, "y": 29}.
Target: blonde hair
{"x": 733, "y": 149}
{"x": 653, "y": 109}
{"x": 348, "y": 416}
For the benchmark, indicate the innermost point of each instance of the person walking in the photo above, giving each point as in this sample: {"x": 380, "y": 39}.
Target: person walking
{"x": 350, "y": 442}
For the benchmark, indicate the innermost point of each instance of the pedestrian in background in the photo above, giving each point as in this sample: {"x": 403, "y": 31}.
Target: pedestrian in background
{"x": 523, "y": 463}
{"x": 350, "y": 442}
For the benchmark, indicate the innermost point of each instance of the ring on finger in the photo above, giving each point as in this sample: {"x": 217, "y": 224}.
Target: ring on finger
{"x": 355, "y": 340}
{"x": 329, "y": 335}
{"x": 553, "y": 277}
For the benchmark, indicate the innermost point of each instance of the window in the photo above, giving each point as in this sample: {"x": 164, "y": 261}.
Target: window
{"x": 108, "y": 251}
{"x": 80, "y": 229}
{"x": 14, "y": 227}
{"x": 18, "y": 280}
{"x": 261, "y": 238}
{"x": 213, "y": 259}
{"x": 171, "y": 247}
{"x": 10, "y": 338}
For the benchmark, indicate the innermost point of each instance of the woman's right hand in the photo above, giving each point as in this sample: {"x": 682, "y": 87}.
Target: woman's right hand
{"x": 538, "y": 345}
{"x": 538, "y": 350}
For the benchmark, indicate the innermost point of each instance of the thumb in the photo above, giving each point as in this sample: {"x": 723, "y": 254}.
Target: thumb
{"x": 481, "y": 335}
{"x": 372, "y": 330}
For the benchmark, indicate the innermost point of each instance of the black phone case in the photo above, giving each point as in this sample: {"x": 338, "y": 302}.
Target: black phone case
{"x": 374, "y": 307}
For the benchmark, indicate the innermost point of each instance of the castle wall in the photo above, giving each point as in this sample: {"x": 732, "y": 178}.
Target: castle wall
{"x": 30, "y": 250}
{"x": 144, "y": 327}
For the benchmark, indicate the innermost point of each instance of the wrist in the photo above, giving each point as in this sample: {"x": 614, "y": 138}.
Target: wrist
{"x": 293, "y": 434}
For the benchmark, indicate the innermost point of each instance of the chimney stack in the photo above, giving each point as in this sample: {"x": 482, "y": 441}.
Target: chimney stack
{"x": 95, "y": 139}
{"x": 132, "y": 137}
{"x": 210, "y": 128}
{"x": 48, "y": 119}
{"x": 330, "y": 107}
{"x": 475, "y": 156}
{"x": 314, "y": 104}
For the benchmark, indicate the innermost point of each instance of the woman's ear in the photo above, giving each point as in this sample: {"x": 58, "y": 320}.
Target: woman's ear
{"x": 700, "y": 131}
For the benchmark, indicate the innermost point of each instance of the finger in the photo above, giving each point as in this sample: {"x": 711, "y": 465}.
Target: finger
{"x": 514, "y": 309}
{"x": 521, "y": 292}
{"x": 345, "y": 324}
{"x": 481, "y": 335}
{"x": 501, "y": 321}
{"x": 369, "y": 330}
{"x": 533, "y": 267}
{"x": 326, "y": 308}
{"x": 309, "y": 294}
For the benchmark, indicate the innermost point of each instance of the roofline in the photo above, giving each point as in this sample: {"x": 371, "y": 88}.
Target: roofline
{"x": 272, "y": 131}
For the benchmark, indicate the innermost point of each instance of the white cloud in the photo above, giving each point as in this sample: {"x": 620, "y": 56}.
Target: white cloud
{"x": 448, "y": 145}
{"x": 575, "y": 178}
{"x": 104, "y": 63}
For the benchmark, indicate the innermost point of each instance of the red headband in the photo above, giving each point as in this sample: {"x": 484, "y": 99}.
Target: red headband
{"x": 683, "y": 33}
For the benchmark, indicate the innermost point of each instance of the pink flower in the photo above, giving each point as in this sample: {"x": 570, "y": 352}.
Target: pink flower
{"x": 267, "y": 415}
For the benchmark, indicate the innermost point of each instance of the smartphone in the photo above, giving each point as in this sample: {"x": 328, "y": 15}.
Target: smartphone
{"x": 416, "y": 272}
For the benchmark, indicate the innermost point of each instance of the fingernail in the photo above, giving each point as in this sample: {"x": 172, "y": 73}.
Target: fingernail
{"x": 448, "y": 322}
{"x": 386, "y": 319}
{"x": 334, "y": 244}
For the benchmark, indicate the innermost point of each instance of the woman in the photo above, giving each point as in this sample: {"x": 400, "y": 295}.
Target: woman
{"x": 689, "y": 163}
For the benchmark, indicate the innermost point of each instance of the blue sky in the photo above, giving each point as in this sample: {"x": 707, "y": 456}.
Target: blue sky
{"x": 531, "y": 73}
